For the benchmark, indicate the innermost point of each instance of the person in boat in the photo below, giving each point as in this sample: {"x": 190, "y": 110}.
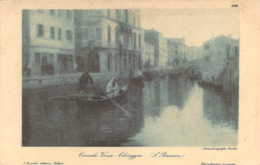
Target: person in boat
{"x": 138, "y": 80}
{"x": 139, "y": 74}
{"x": 112, "y": 88}
{"x": 85, "y": 82}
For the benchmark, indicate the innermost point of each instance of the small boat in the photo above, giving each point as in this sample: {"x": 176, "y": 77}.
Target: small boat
{"x": 91, "y": 99}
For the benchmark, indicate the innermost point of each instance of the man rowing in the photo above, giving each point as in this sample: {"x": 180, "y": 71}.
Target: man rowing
{"x": 85, "y": 83}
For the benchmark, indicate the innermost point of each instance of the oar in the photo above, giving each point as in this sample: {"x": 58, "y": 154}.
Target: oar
{"x": 115, "y": 103}
{"x": 70, "y": 97}
{"x": 119, "y": 106}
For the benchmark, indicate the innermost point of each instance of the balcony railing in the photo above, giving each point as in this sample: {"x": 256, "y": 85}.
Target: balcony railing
{"x": 98, "y": 43}
{"x": 106, "y": 44}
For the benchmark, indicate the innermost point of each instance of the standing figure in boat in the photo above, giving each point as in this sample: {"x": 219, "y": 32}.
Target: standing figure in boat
{"x": 86, "y": 83}
{"x": 112, "y": 88}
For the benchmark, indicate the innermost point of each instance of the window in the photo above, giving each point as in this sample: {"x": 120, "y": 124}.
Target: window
{"x": 206, "y": 47}
{"x": 40, "y": 11}
{"x": 97, "y": 12}
{"x": 44, "y": 60}
{"x": 40, "y": 30}
{"x": 228, "y": 51}
{"x": 51, "y": 59}
{"x": 117, "y": 61}
{"x": 108, "y": 13}
{"x": 118, "y": 14}
{"x": 109, "y": 62}
{"x": 68, "y": 13}
{"x": 37, "y": 58}
{"x": 207, "y": 58}
{"x": 69, "y": 35}
{"x": 91, "y": 33}
{"x": 126, "y": 16}
{"x": 98, "y": 34}
{"x": 90, "y": 12}
{"x": 236, "y": 51}
{"x": 60, "y": 13}
{"x": 85, "y": 33}
{"x": 70, "y": 58}
{"x": 117, "y": 35}
{"x": 52, "y": 32}
{"x": 138, "y": 21}
{"x": 125, "y": 61}
{"x": 134, "y": 40}
{"x": 52, "y": 12}
{"x": 109, "y": 34}
{"x": 59, "y": 34}
{"x": 139, "y": 41}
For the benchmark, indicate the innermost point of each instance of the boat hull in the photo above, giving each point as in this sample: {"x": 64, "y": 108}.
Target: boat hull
{"x": 108, "y": 101}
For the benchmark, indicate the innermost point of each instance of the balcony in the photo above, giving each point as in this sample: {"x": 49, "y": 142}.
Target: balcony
{"x": 106, "y": 44}
{"x": 99, "y": 43}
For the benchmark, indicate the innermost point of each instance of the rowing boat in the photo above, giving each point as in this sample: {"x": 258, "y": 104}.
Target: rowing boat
{"x": 90, "y": 99}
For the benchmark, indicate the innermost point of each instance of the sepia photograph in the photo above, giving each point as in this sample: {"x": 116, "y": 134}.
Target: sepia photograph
{"x": 130, "y": 77}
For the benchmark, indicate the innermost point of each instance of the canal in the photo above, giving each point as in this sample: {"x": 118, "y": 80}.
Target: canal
{"x": 166, "y": 112}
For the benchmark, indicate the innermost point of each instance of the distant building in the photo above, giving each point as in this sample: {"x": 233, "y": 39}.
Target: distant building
{"x": 108, "y": 40}
{"x": 148, "y": 55}
{"x": 176, "y": 51}
{"x": 193, "y": 52}
{"x": 163, "y": 51}
{"x": 223, "y": 53}
{"x": 47, "y": 42}
{"x": 220, "y": 48}
{"x": 156, "y": 39}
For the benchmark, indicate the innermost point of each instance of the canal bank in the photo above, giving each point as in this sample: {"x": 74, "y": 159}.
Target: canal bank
{"x": 226, "y": 82}
{"x": 221, "y": 76}
{"x": 40, "y": 82}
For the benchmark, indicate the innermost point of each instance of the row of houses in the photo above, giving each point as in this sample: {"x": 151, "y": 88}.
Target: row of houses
{"x": 108, "y": 40}
{"x": 162, "y": 51}
{"x": 221, "y": 61}
{"x": 65, "y": 41}
{"x": 47, "y": 42}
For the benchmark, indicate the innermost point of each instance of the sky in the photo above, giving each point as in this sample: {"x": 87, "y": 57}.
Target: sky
{"x": 195, "y": 25}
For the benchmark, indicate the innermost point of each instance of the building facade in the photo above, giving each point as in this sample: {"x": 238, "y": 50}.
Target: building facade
{"x": 193, "y": 52}
{"x": 176, "y": 51}
{"x": 152, "y": 37}
{"x": 108, "y": 40}
{"x": 221, "y": 50}
{"x": 48, "y": 42}
{"x": 221, "y": 55}
{"x": 159, "y": 43}
{"x": 163, "y": 51}
{"x": 148, "y": 59}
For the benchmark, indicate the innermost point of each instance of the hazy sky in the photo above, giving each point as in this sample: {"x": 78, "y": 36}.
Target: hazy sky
{"x": 195, "y": 25}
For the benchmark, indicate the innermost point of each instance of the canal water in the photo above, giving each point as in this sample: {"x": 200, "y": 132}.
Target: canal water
{"x": 166, "y": 112}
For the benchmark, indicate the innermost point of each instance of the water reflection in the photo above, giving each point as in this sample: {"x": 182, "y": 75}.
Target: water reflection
{"x": 219, "y": 109}
{"x": 190, "y": 125}
{"x": 168, "y": 112}
{"x": 178, "y": 91}
{"x": 67, "y": 123}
